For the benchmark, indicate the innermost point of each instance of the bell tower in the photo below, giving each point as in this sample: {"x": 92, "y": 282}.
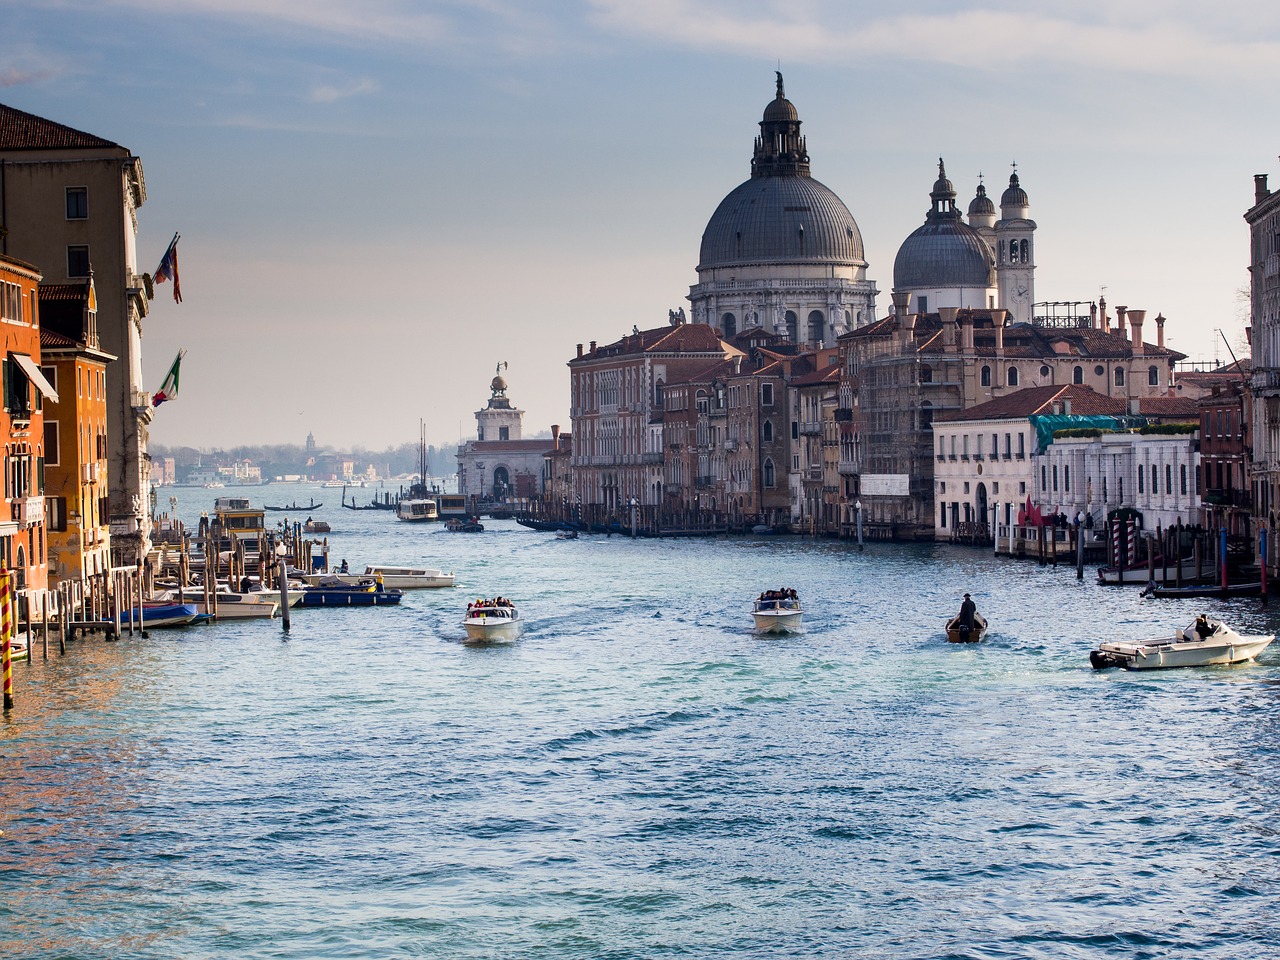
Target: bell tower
{"x": 1015, "y": 253}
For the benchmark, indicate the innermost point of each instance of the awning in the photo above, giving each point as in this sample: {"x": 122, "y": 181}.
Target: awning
{"x": 35, "y": 376}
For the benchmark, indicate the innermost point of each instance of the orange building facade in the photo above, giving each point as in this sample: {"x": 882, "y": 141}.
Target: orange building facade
{"x": 78, "y": 514}
{"x": 23, "y": 546}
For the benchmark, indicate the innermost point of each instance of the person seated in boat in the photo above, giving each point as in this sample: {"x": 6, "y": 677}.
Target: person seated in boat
{"x": 343, "y": 568}
{"x": 245, "y": 584}
{"x": 1204, "y": 629}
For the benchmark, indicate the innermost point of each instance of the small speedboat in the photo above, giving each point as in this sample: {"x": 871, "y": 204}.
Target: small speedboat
{"x": 229, "y": 605}
{"x": 160, "y": 614}
{"x": 332, "y": 592}
{"x": 454, "y": 525}
{"x": 777, "y": 615}
{"x": 1203, "y": 644}
{"x": 394, "y": 578}
{"x": 566, "y": 534}
{"x": 491, "y": 622}
{"x": 317, "y": 526}
{"x": 958, "y": 634}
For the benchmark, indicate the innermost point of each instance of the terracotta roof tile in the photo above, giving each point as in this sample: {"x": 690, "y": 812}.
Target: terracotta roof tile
{"x": 1032, "y": 400}
{"x": 25, "y": 131}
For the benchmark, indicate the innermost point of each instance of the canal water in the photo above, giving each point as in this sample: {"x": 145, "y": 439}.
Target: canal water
{"x": 641, "y": 775}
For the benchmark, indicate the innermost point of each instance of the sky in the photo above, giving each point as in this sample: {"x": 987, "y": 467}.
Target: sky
{"x": 380, "y": 201}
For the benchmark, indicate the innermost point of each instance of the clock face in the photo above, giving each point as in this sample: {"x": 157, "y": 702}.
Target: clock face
{"x": 1020, "y": 293}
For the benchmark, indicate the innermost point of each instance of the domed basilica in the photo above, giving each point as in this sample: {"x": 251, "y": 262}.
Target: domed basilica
{"x": 782, "y": 251}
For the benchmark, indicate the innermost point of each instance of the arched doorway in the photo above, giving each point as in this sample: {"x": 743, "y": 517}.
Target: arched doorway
{"x": 793, "y": 326}
{"x": 980, "y": 500}
{"x": 817, "y": 326}
{"x": 729, "y": 324}
{"x": 501, "y": 482}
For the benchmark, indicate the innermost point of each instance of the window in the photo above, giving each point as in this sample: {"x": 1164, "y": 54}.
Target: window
{"x": 795, "y": 429}
{"x": 1077, "y": 375}
{"x": 1044, "y": 372}
{"x": 1066, "y": 477}
{"x": 1098, "y": 370}
{"x": 1044, "y": 477}
{"x": 504, "y": 433}
{"x": 766, "y": 394}
{"x": 768, "y": 473}
{"x": 1141, "y": 473}
{"x": 78, "y": 260}
{"x": 729, "y": 324}
{"x": 768, "y": 431}
{"x": 1013, "y": 376}
{"x": 1182, "y": 478}
{"x": 57, "y": 507}
{"x": 1153, "y": 376}
{"x": 793, "y": 325}
{"x": 1008, "y": 446}
{"x": 923, "y": 305}
{"x": 942, "y": 522}
{"x": 1120, "y": 378}
{"x": 480, "y": 433}
{"x": 817, "y": 326}
{"x": 1168, "y": 478}
{"x": 995, "y": 445}
{"x": 926, "y": 374}
{"x": 77, "y": 203}
{"x": 1055, "y": 478}
{"x": 1022, "y": 445}
{"x": 986, "y": 376}
{"x": 51, "y": 443}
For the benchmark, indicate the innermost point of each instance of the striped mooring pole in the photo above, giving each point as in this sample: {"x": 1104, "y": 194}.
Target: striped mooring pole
{"x": 6, "y": 635}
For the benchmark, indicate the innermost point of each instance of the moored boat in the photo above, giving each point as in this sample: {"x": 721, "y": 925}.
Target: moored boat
{"x": 1138, "y": 574}
{"x": 1204, "y": 643}
{"x": 454, "y": 525}
{"x": 227, "y": 605}
{"x": 294, "y": 507}
{"x": 159, "y": 614}
{"x": 333, "y": 592}
{"x": 566, "y": 534}
{"x": 422, "y": 510}
{"x": 493, "y": 621}
{"x": 777, "y": 611}
{"x": 317, "y": 526}
{"x": 393, "y": 578}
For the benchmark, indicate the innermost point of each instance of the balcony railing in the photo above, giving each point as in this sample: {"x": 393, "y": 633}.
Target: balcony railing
{"x": 27, "y": 511}
{"x": 811, "y": 427}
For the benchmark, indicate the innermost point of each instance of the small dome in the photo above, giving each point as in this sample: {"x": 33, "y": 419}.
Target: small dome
{"x": 1015, "y": 196}
{"x": 780, "y": 109}
{"x": 942, "y": 187}
{"x": 498, "y": 385}
{"x": 944, "y": 253}
{"x": 981, "y": 204}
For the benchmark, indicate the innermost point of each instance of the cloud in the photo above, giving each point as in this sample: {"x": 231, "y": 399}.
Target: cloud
{"x": 13, "y": 77}
{"x": 328, "y": 92}
{"x": 985, "y": 38}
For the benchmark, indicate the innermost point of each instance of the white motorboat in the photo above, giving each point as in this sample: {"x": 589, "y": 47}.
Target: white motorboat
{"x": 777, "y": 615}
{"x": 394, "y": 578}
{"x": 492, "y": 622}
{"x": 1205, "y": 643}
{"x": 231, "y": 606}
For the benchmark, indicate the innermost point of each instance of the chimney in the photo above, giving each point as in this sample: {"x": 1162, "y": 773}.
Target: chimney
{"x": 1136, "y": 320}
{"x": 737, "y": 364}
{"x": 1160, "y": 330}
{"x": 906, "y": 327}
{"x": 593, "y": 346}
{"x": 1120, "y": 312}
{"x": 555, "y": 436}
{"x": 1057, "y": 409}
{"x": 966, "y": 331}
{"x": 1093, "y": 316}
{"x": 579, "y": 351}
{"x": 1066, "y": 406}
{"x": 1102, "y": 310}
{"x": 1260, "y": 191}
{"x": 901, "y": 302}
{"x": 948, "y": 315}
{"x": 998, "y": 318}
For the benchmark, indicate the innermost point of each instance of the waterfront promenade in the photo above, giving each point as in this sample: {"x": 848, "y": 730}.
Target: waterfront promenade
{"x": 642, "y": 776}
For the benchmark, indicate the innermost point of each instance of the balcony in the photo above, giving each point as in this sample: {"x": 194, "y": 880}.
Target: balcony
{"x": 651, "y": 457}
{"x": 89, "y": 472}
{"x": 704, "y": 481}
{"x": 811, "y": 427}
{"x": 731, "y": 446}
{"x": 844, "y": 415}
{"x": 27, "y": 511}
{"x": 849, "y": 468}
{"x": 814, "y": 474}
{"x": 1266, "y": 378}
{"x": 1226, "y": 498}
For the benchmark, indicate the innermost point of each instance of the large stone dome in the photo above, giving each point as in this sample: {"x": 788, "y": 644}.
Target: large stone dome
{"x": 781, "y": 218}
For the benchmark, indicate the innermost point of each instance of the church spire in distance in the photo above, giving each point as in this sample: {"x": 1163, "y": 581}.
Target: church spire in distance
{"x": 780, "y": 150}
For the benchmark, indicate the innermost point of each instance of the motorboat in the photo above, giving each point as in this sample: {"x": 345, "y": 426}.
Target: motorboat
{"x": 566, "y": 534}
{"x": 1205, "y": 643}
{"x": 777, "y": 614}
{"x": 332, "y": 592}
{"x": 394, "y": 578}
{"x": 229, "y": 605}
{"x": 958, "y": 634}
{"x": 317, "y": 526}
{"x": 454, "y": 525}
{"x": 489, "y": 621}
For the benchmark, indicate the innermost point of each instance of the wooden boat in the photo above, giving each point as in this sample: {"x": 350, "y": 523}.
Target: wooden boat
{"x": 333, "y": 592}
{"x": 295, "y": 507}
{"x": 455, "y": 525}
{"x": 1208, "y": 590}
{"x": 1139, "y": 575}
{"x": 1204, "y": 643}
{"x": 955, "y": 634}
{"x": 317, "y": 526}
{"x": 492, "y": 622}
{"x": 781, "y": 615}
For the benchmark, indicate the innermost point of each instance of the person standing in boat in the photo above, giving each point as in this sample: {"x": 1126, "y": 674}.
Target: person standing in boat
{"x": 968, "y": 610}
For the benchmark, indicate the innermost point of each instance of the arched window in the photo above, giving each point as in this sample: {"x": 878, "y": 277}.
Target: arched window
{"x": 926, "y": 373}
{"x": 729, "y": 324}
{"x": 659, "y": 393}
{"x": 986, "y": 376}
{"x": 793, "y": 325}
{"x": 1024, "y": 251}
{"x": 1119, "y": 376}
{"x": 768, "y": 473}
{"x": 768, "y": 431}
{"x": 1046, "y": 375}
{"x": 1153, "y": 376}
{"x": 926, "y": 415}
{"x": 1013, "y": 376}
{"x": 817, "y": 326}
{"x": 1077, "y": 375}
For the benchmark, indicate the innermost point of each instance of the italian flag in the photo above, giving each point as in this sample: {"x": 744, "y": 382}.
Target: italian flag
{"x": 169, "y": 389}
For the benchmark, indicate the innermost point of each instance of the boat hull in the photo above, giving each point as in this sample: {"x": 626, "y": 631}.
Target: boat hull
{"x": 313, "y": 597}
{"x": 974, "y": 635}
{"x": 393, "y": 581}
{"x": 161, "y": 615}
{"x": 778, "y": 621}
{"x": 1140, "y": 575}
{"x": 1167, "y": 654}
{"x": 493, "y": 630}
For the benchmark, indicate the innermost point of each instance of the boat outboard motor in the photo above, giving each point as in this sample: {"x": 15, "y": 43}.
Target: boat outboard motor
{"x": 1103, "y": 661}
